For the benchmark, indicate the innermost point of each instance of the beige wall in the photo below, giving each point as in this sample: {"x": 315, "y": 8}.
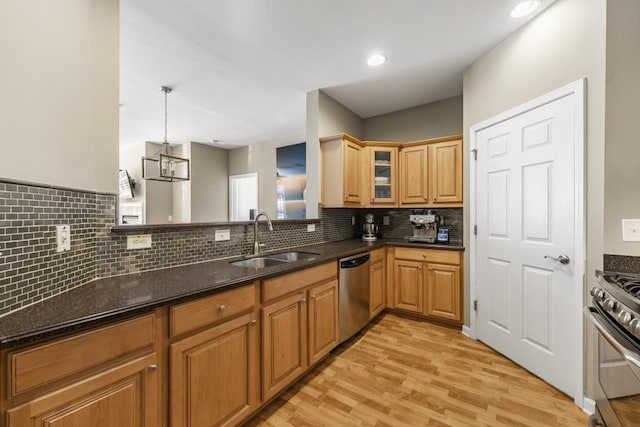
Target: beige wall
{"x": 622, "y": 169}
{"x": 440, "y": 118}
{"x": 563, "y": 44}
{"x": 261, "y": 158}
{"x": 130, "y": 160}
{"x": 59, "y": 104}
{"x": 335, "y": 118}
{"x": 158, "y": 195}
{"x": 209, "y": 183}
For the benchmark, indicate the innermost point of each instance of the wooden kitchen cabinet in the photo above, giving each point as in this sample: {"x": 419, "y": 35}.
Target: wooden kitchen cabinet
{"x": 342, "y": 171}
{"x": 284, "y": 343}
{"x": 428, "y": 282}
{"x": 443, "y": 291}
{"x": 299, "y": 324}
{"x": 126, "y": 395}
{"x": 446, "y": 172}
{"x": 431, "y": 173}
{"x": 409, "y": 286}
{"x": 381, "y": 180}
{"x": 214, "y": 374}
{"x": 377, "y": 282}
{"x": 323, "y": 320}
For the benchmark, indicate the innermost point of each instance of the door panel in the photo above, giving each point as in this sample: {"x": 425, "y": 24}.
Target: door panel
{"x": 409, "y": 285}
{"x": 323, "y": 320}
{"x": 525, "y": 210}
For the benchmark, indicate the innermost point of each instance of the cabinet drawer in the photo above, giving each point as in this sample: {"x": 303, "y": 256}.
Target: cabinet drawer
{"x": 50, "y": 362}
{"x": 377, "y": 255}
{"x": 283, "y": 285}
{"x": 439, "y": 256}
{"x": 205, "y": 311}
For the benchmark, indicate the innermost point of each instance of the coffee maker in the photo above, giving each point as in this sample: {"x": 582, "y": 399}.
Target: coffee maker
{"x": 425, "y": 226}
{"x": 369, "y": 229}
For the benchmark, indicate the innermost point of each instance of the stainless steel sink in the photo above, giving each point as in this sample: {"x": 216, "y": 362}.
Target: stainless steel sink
{"x": 293, "y": 256}
{"x": 273, "y": 259}
{"x": 260, "y": 262}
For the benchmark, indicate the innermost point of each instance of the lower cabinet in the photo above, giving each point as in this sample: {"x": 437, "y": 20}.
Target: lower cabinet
{"x": 443, "y": 292}
{"x": 284, "y": 343}
{"x": 323, "y": 320}
{"x": 214, "y": 374}
{"x": 377, "y": 282}
{"x": 428, "y": 282}
{"x": 126, "y": 395}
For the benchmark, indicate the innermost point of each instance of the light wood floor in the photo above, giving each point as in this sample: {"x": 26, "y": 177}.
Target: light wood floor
{"x": 403, "y": 372}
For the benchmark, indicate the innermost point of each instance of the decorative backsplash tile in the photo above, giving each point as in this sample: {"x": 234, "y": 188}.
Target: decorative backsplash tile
{"x": 622, "y": 263}
{"x": 32, "y": 270}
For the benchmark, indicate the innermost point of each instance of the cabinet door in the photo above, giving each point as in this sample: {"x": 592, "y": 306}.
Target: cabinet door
{"x": 413, "y": 175}
{"x": 124, "y": 396}
{"x": 323, "y": 320}
{"x": 383, "y": 174}
{"x": 377, "y": 289}
{"x": 443, "y": 292}
{"x": 351, "y": 172}
{"x": 214, "y": 375}
{"x": 446, "y": 172}
{"x": 284, "y": 343}
{"x": 408, "y": 285}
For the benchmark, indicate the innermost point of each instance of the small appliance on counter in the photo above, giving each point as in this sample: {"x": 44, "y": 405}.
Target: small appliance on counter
{"x": 425, "y": 226}
{"x": 369, "y": 229}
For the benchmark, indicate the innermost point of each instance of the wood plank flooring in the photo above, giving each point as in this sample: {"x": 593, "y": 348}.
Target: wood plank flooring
{"x": 404, "y": 372}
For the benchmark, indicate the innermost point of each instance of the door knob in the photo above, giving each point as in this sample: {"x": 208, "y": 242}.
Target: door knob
{"x": 562, "y": 259}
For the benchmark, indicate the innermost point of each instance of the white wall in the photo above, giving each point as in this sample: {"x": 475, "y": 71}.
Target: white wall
{"x": 158, "y": 195}
{"x": 59, "y": 104}
{"x": 622, "y": 170}
{"x": 563, "y": 44}
{"x": 130, "y": 160}
{"x": 433, "y": 120}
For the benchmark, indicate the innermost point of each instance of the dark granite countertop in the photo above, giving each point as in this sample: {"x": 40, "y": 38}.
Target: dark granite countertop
{"x": 105, "y": 300}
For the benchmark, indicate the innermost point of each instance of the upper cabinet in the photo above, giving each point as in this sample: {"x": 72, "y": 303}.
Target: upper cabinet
{"x": 342, "y": 171}
{"x": 381, "y": 181}
{"x": 391, "y": 174}
{"x": 431, "y": 173}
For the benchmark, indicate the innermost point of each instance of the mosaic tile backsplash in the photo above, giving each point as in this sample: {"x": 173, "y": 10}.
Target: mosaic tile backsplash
{"x": 32, "y": 270}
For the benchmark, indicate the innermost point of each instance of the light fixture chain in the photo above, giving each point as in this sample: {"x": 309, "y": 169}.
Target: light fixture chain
{"x": 166, "y": 91}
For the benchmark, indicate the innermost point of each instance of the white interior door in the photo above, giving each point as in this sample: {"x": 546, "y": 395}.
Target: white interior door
{"x": 525, "y": 201}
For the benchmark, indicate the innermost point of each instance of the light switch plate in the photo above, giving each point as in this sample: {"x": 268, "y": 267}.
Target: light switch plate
{"x": 140, "y": 241}
{"x": 63, "y": 238}
{"x": 311, "y": 227}
{"x": 222, "y": 235}
{"x": 631, "y": 230}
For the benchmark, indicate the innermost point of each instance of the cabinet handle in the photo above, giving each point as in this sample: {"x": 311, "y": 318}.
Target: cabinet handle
{"x": 253, "y": 322}
{"x": 152, "y": 368}
{"x": 303, "y": 300}
{"x": 313, "y": 297}
{"x": 222, "y": 307}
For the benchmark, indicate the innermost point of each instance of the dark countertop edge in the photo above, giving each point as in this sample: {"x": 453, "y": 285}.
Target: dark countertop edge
{"x": 122, "y": 229}
{"x": 87, "y": 322}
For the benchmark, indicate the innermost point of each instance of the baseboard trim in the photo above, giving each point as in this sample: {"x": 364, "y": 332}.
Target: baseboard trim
{"x": 466, "y": 331}
{"x": 588, "y": 405}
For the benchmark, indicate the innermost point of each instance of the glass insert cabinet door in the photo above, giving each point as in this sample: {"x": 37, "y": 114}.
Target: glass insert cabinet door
{"x": 383, "y": 174}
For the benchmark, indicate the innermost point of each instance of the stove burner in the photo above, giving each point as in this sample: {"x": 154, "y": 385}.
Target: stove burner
{"x": 627, "y": 282}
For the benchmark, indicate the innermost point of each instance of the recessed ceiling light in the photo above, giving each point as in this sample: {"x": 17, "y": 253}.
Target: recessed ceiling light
{"x": 377, "y": 59}
{"x": 524, "y": 8}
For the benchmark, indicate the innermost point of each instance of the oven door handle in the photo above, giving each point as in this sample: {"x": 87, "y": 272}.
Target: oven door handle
{"x": 613, "y": 337}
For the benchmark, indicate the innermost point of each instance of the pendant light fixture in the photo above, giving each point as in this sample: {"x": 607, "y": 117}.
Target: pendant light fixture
{"x": 162, "y": 166}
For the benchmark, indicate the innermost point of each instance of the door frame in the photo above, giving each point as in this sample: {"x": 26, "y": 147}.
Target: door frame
{"x": 577, "y": 88}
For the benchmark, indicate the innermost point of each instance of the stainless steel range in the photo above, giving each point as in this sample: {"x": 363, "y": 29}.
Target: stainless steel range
{"x": 616, "y": 316}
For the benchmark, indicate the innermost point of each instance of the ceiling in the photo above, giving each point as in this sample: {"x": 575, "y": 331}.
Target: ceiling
{"x": 240, "y": 69}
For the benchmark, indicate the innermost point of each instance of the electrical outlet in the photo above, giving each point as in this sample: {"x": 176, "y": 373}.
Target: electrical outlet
{"x": 222, "y": 235}
{"x": 631, "y": 230}
{"x": 140, "y": 241}
{"x": 385, "y": 220}
{"x": 353, "y": 220}
{"x": 63, "y": 238}
{"x": 311, "y": 227}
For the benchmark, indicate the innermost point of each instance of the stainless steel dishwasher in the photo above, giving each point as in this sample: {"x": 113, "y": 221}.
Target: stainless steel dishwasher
{"x": 353, "y": 295}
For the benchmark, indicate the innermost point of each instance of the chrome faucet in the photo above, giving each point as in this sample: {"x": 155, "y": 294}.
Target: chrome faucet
{"x": 256, "y": 245}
